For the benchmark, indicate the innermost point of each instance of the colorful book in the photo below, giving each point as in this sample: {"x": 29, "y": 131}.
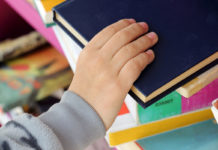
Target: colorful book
{"x": 33, "y": 77}
{"x": 199, "y": 82}
{"x": 182, "y": 52}
{"x": 200, "y": 136}
{"x": 123, "y": 135}
{"x": 25, "y": 9}
{"x": 44, "y": 8}
{"x": 168, "y": 106}
{"x": 201, "y": 99}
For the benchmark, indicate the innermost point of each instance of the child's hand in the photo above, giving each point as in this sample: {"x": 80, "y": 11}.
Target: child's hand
{"x": 109, "y": 65}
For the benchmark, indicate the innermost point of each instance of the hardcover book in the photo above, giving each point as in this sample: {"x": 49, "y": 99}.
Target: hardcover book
{"x": 188, "y": 33}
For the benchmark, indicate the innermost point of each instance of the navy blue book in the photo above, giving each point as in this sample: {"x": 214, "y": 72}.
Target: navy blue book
{"x": 188, "y": 37}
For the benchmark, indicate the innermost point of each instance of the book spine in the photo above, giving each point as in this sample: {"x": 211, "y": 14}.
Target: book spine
{"x": 198, "y": 83}
{"x": 201, "y": 99}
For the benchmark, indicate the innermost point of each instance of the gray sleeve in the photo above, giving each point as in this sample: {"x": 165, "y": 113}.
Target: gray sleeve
{"x": 71, "y": 124}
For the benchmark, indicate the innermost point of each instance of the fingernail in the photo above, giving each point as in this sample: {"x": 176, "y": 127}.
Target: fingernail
{"x": 143, "y": 24}
{"x": 131, "y": 20}
{"x": 151, "y": 54}
{"x": 152, "y": 35}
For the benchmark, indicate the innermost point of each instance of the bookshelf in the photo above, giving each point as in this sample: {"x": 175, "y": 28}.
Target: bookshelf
{"x": 26, "y": 10}
{"x": 115, "y": 137}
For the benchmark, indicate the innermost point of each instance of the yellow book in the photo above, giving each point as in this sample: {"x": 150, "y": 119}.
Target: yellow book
{"x": 157, "y": 127}
{"x": 44, "y": 8}
{"x": 199, "y": 82}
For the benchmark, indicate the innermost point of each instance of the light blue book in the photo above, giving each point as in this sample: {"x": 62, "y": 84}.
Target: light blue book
{"x": 201, "y": 136}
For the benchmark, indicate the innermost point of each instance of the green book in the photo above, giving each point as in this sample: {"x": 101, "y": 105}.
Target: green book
{"x": 169, "y": 105}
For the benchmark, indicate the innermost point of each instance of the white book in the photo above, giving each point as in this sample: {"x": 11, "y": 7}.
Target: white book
{"x": 70, "y": 47}
{"x": 215, "y": 110}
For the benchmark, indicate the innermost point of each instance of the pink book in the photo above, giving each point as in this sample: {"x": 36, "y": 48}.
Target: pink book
{"x": 201, "y": 99}
{"x": 31, "y": 15}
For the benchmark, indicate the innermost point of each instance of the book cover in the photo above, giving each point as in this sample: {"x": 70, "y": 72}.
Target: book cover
{"x": 188, "y": 33}
{"x": 26, "y": 78}
{"x": 169, "y": 105}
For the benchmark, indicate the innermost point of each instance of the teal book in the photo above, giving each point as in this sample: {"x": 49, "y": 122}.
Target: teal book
{"x": 201, "y": 136}
{"x": 168, "y": 106}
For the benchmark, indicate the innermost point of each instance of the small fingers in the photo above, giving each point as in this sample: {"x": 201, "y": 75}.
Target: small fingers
{"x": 103, "y": 36}
{"x": 123, "y": 37}
{"x": 133, "y": 49}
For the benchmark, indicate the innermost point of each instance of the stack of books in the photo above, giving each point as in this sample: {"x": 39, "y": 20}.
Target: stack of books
{"x": 170, "y": 102}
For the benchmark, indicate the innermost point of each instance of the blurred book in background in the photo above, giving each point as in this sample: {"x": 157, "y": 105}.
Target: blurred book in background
{"x": 11, "y": 48}
{"x": 33, "y": 77}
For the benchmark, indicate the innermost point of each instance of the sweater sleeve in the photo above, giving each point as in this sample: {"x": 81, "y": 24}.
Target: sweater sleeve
{"x": 71, "y": 124}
